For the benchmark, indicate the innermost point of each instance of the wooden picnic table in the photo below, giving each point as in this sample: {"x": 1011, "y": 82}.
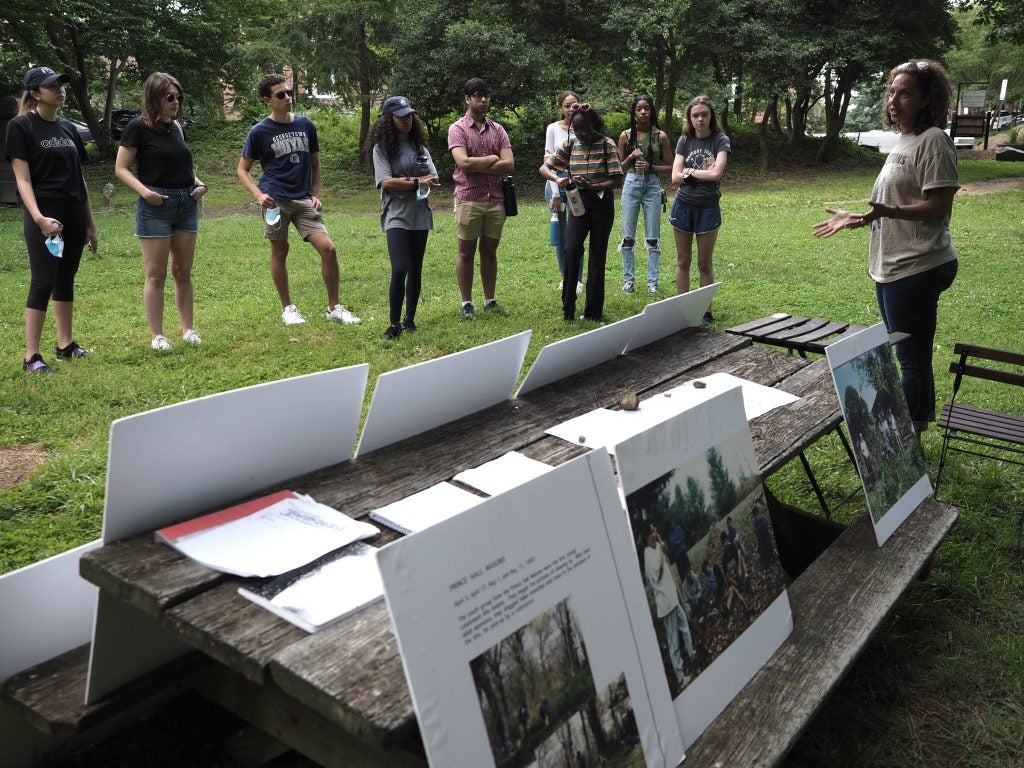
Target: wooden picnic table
{"x": 340, "y": 696}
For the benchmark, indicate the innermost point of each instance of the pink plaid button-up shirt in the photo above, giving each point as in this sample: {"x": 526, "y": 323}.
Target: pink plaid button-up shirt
{"x": 477, "y": 187}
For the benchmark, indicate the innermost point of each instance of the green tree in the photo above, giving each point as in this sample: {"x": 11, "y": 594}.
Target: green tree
{"x": 723, "y": 490}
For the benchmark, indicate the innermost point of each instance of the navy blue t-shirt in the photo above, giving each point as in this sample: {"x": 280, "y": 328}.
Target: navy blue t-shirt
{"x": 283, "y": 150}
{"x": 54, "y": 153}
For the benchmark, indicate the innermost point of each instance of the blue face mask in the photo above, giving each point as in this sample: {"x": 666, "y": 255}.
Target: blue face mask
{"x": 422, "y": 194}
{"x": 55, "y": 245}
{"x": 272, "y": 216}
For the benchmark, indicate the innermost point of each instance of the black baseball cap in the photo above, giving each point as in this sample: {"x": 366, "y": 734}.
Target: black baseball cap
{"x": 398, "y": 106}
{"x": 37, "y": 77}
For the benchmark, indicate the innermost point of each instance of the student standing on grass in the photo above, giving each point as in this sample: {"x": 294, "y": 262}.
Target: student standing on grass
{"x": 590, "y": 161}
{"x": 483, "y": 154}
{"x": 701, "y": 156}
{"x": 556, "y": 134}
{"x": 644, "y": 151}
{"x": 286, "y": 146}
{"x": 911, "y": 256}
{"x": 166, "y": 214}
{"x": 404, "y": 173}
{"x": 46, "y": 154}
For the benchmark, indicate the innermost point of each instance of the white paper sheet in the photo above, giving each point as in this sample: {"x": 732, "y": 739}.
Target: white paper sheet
{"x": 665, "y": 317}
{"x": 278, "y": 538}
{"x": 503, "y": 473}
{"x": 422, "y": 510}
{"x": 536, "y": 569}
{"x": 604, "y": 428}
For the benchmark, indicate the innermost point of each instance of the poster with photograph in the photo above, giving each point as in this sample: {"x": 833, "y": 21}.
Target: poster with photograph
{"x": 704, "y": 546}
{"x": 888, "y": 454}
{"x": 523, "y": 640}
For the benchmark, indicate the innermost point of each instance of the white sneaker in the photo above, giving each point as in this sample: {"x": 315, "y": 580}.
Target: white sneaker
{"x": 292, "y": 316}
{"x": 339, "y": 314}
{"x": 191, "y": 337}
{"x": 161, "y": 344}
{"x": 579, "y": 288}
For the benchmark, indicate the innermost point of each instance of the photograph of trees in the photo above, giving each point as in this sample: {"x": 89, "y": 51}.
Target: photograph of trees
{"x": 707, "y": 520}
{"x": 888, "y": 455}
{"x": 539, "y": 703}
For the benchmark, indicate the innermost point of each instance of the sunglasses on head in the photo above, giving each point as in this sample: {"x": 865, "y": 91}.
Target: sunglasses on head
{"x": 174, "y": 97}
{"x": 282, "y": 94}
{"x": 581, "y": 106}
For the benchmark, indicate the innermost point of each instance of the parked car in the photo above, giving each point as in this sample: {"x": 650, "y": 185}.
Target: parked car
{"x": 119, "y": 120}
{"x": 83, "y": 131}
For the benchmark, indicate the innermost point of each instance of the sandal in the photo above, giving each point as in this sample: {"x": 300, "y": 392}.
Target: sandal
{"x": 35, "y": 364}
{"x": 69, "y": 352}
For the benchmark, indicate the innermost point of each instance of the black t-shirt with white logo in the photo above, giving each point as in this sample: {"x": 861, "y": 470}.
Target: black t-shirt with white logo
{"x": 54, "y": 153}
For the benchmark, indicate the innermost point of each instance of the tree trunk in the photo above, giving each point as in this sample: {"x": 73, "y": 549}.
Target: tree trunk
{"x": 363, "y": 62}
{"x": 762, "y": 142}
{"x": 837, "y": 101}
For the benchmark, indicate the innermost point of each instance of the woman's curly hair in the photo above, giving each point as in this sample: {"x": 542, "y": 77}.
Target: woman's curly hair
{"x": 383, "y": 132}
{"x": 933, "y": 82}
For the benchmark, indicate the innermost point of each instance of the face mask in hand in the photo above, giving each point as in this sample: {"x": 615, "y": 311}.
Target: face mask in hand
{"x": 422, "y": 193}
{"x": 55, "y": 245}
{"x": 272, "y": 216}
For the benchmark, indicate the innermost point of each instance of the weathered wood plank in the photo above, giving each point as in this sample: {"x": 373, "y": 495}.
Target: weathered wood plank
{"x": 287, "y": 720}
{"x": 352, "y": 675}
{"x": 236, "y": 632}
{"x": 838, "y": 604}
{"x": 784, "y": 432}
{"x": 146, "y": 573}
{"x": 51, "y": 695}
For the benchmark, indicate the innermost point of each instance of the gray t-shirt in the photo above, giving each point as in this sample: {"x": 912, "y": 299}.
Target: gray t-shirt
{"x": 401, "y": 210}
{"x": 700, "y": 154}
{"x": 900, "y": 248}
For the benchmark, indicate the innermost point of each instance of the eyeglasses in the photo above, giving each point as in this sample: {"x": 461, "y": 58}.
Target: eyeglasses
{"x": 480, "y": 95}
{"x": 581, "y": 106}
{"x": 174, "y": 97}
{"x": 283, "y": 94}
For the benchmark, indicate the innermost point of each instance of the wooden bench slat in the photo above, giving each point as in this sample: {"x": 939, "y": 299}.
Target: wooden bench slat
{"x": 980, "y": 422}
{"x": 51, "y": 695}
{"x": 809, "y": 327}
{"x": 775, "y": 327}
{"x": 988, "y": 353}
{"x": 990, "y": 374}
{"x": 821, "y": 333}
{"x": 838, "y": 604}
{"x": 753, "y": 324}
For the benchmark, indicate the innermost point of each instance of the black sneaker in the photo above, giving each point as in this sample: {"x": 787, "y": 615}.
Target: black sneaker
{"x": 708, "y": 318}
{"x": 392, "y": 333}
{"x": 408, "y": 325}
{"x": 69, "y": 352}
{"x": 467, "y": 312}
{"x": 495, "y": 307}
{"x": 35, "y": 364}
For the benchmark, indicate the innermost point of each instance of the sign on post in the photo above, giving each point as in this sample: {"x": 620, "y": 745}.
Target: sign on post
{"x": 973, "y": 100}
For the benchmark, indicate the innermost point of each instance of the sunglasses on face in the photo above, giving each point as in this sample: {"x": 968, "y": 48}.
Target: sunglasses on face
{"x": 582, "y": 106}
{"x": 174, "y": 97}
{"x": 283, "y": 94}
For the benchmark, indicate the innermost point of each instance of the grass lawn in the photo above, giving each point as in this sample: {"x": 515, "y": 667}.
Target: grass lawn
{"x": 942, "y": 683}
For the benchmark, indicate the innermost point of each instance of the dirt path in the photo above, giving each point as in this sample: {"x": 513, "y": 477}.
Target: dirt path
{"x": 1008, "y": 184}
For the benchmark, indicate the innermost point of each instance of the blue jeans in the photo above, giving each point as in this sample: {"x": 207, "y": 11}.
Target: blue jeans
{"x": 562, "y": 227}
{"x": 641, "y": 191}
{"x": 911, "y": 305}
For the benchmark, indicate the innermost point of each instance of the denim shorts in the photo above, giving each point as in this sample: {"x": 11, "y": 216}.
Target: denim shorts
{"x": 695, "y": 218}
{"x": 178, "y": 213}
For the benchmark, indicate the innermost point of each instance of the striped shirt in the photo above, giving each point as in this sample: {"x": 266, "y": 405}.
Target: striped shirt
{"x": 477, "y": 187}
{"x": 596, "y": 161}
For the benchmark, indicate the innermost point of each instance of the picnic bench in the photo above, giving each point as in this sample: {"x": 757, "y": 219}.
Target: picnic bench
{"x": 339, "y": 695}
{"x": 802, "y": 334}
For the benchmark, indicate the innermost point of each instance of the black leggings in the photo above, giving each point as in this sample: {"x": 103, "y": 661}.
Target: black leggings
{"x": 52, "y": 277}
{"x": 405, "y": 248}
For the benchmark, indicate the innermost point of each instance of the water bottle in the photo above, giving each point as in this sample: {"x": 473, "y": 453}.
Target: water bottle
{"x": 575, "y": 200}
{"x": 422, "y": 170}
{"x": 636, "y": 169}
{"x": 555, "y": 237}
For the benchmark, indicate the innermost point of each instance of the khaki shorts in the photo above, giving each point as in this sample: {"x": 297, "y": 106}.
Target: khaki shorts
{"x": 475, "y": 219}
{"x": 307, "y": 220}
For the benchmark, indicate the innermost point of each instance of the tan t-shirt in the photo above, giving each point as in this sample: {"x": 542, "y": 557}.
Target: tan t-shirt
{"x": 901, "y": 248}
